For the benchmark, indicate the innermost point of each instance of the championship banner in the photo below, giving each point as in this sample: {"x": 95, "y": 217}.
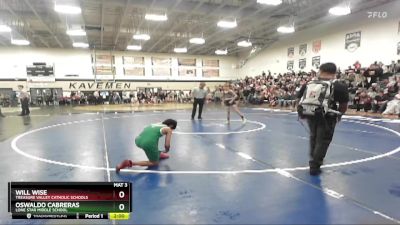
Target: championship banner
{"x": 210, "y": 72}
{"x": 187, "y": 72}
{"x": 187, "y": 67}
{"x": 104, "y": 59}
{"x": 210, "y": 68}
{"x": 316, "y": 61}
{"x": 133, "y": 65}
{"x": 134, "y": 71}
{"x": 186, "y": 62}
{"x": 302, "y": 63}
{"x": 316, "y": 46}
{"x": 211, "y": 63}
{"x": 161, "y": 62}
{"x": 132, "y": 60}
{"x": 103, "y": 70}
{"x": 161, "y": 66}
{"x": 303, "y": 49}
{"x": 290, "y": 65}
{"x": 290, "y": 52}
{"x": 353, "y": 41}
{"x": 161, "y": 71}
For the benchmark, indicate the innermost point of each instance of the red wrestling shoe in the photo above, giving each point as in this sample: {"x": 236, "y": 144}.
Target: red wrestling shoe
{"x": 126, "y": 163}
{"x": 164, "y": 155}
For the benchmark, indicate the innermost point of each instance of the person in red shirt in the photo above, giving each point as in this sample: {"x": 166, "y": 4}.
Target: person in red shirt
{"x": 357, "y": 66}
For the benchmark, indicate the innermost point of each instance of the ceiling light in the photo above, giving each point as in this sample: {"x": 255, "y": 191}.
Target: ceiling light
{"x": 221, "y": 52}
{"x": 270, "y": 2}
{"x": 286, "y": 29}
{"x": 80, "y": 45}
{"x": 134, "y": 47}
{"x": 78, "y": 32}
{"x": 20, "y": 42}
{"x": 156, "y": 17}
{"x": 5, "y": 28}
{"x": 227, "y": 24}
{"x": 180, "y": 50}
{"x": 244, "y": 44}
{"x": 340, "y": 10}
{"x": 198, "y": 41}
{"x": 144, "y": 37}
{"x": 67, "y": 9}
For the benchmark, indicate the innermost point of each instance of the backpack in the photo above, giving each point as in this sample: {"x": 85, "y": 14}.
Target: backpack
{"x": 317, "y": 98}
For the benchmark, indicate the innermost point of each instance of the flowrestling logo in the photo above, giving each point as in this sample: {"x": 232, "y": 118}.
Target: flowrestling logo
{"x": 377, "y": 15}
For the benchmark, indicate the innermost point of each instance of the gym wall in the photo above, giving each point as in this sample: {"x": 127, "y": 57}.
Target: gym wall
{"x": 78, "y": 62}
{"x": 379, "y": 41}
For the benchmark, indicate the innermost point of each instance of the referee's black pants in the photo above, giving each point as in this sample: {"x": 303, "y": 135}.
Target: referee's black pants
{"x": 25, "y": 107}
{"x": 321, "y": 134}
{"x": 200, "y": 102}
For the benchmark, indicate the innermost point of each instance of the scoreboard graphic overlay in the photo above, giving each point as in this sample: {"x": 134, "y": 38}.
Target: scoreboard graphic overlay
{"x": 70, "y": 200}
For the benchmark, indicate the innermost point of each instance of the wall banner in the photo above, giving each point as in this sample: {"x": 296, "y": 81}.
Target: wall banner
{"x": 290, "y": 52}
{"x": 316, "y": 61}
{"x": 316, "y": 46}
{"x": 290, "y": 65}
{"x": 302, "y": 63}
{"x": 303, "y": 49}
{"x": 353, "y": 41}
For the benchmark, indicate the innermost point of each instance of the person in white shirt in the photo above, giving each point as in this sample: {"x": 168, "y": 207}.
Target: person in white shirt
{"x": 393, "y": 106}
{"x": 199, "y": 95}
{"x": 24, "y": 98}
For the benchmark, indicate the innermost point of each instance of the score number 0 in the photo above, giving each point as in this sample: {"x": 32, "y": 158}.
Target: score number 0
{"x": 121, "y": 194}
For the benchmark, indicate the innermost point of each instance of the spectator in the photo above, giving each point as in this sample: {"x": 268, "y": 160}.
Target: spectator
{"x": 397, "y": 67}
{"x": 392, "y": 67}
{"x": 116, "y": 99}
{"x": 363, "y": 101}
{"x": 218, "y": 95}
{"x": 357, "y": 66}
{"x": 393, "y": 106}
{"x": 380, "y": 102}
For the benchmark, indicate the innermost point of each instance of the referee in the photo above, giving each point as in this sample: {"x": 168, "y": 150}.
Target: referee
{"x": 322, "y": 128}
{"x": 199, "y": 95}
{"x": 24, "y": 98}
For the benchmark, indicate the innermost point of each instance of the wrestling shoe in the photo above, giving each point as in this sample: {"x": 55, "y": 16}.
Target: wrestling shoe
{"x": 126, "y": 163}
{"x": 164, "y": 155}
